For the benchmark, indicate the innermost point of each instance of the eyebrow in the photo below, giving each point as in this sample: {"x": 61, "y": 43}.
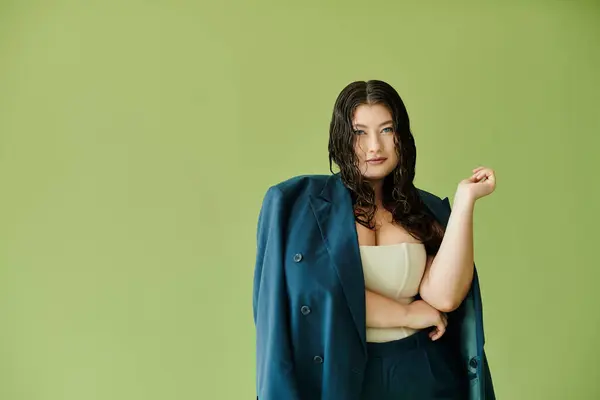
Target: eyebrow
{"x": 364, "y": 126}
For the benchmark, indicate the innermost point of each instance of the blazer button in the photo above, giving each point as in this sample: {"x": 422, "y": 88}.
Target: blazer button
{"x": 318, "y": 360}
{"x": 297, "y": 257}
{"x": 305, "y": 310}
{"x": 473, "y": 362}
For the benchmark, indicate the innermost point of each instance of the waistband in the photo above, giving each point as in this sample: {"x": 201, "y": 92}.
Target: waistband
{"x": 414, "y": 341}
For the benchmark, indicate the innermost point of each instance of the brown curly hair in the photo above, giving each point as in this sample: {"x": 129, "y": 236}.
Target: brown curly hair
{"x": 400, "y": 196}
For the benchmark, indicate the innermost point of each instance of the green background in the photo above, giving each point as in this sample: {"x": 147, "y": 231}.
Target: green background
{"x": 137, "y": 139}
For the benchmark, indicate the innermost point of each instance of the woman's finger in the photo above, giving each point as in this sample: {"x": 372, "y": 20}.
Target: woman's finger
{"x": 439, "y": 334}
{"x": 487, "y": 173}
{"x": 483, "y": 173}
{"x": 440, "y": 329}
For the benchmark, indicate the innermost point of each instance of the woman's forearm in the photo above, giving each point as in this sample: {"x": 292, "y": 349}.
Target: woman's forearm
{"x": 383, "y": 312}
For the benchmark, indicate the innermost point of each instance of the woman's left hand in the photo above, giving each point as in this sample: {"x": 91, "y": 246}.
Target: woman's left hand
{"x": 480, "y": 184}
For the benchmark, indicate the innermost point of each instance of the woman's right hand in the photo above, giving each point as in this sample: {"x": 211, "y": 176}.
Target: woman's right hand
{"x": 421, "y": 315}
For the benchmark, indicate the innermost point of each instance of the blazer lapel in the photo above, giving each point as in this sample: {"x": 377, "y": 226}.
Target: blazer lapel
{"x": 440, "y": 211}
{"x": 335, "y": 217}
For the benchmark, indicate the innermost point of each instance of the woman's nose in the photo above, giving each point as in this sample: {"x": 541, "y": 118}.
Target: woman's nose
{"x": 374, "y": 143}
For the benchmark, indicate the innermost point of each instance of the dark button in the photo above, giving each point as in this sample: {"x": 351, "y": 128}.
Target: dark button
{"x": 356, "y": 371}
{"x": 318, "y": 360}
{"x": 473, "y": 362}
{"x": 305, "y": 310}
{"x": 297, "y": 257}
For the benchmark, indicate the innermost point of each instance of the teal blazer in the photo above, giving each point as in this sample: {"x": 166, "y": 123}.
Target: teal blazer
{"x": 309, "y": 296}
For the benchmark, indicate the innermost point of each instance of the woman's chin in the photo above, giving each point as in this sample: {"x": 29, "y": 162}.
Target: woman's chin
{"x": 373, "y": 176}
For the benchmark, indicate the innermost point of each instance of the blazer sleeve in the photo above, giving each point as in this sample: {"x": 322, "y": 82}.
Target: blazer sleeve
{"x": 275, "y": 379}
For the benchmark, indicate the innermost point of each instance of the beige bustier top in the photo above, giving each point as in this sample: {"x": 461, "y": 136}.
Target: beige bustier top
{"x": 394, "y": 271}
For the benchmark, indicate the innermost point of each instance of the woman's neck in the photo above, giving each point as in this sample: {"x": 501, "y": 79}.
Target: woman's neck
{"x": 378, "y": 189}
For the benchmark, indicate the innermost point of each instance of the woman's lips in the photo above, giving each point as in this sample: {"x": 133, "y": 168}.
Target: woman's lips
{"x": 376, "y": 161}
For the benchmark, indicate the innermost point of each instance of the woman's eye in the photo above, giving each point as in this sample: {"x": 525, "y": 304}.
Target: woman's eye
{"x": 358, "y": 132}
{"x": 388, "y": 129}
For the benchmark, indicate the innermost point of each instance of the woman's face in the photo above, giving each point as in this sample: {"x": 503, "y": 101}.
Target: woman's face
{"x": 375, "y": 141}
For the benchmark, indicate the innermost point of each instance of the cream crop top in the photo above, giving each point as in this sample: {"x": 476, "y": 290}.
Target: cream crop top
{"x": 394, "y": 271}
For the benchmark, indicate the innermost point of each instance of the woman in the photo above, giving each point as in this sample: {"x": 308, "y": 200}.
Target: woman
{"x": 365, "y": 286}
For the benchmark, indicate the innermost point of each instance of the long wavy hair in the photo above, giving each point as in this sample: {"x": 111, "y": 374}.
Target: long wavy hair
{"x": 400, "y": 196}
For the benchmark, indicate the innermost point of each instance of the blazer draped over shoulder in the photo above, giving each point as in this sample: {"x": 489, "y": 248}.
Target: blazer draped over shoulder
{"x": 309, "y": 296}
